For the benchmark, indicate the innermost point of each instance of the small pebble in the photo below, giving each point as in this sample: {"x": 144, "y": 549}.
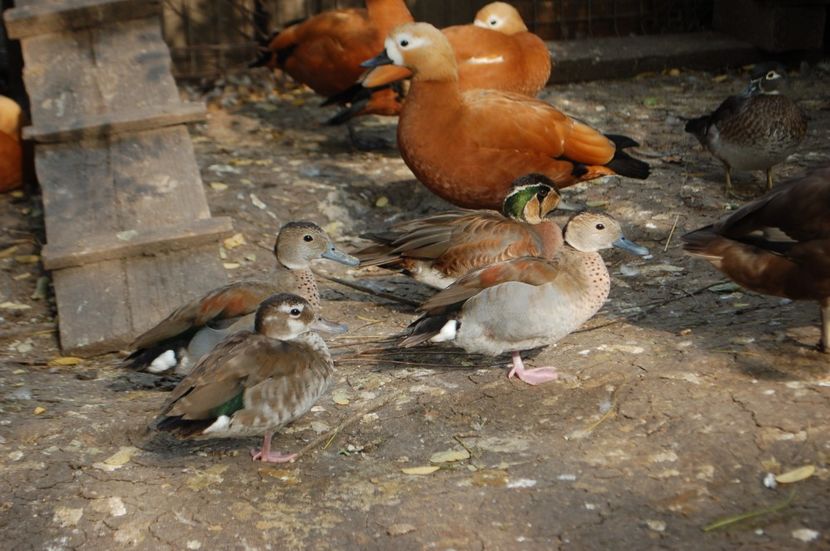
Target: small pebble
{"x": 805, "y": 534}
{"x": 770, "y": 482}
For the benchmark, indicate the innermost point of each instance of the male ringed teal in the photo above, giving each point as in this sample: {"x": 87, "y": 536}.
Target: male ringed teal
{"x": 193, "y": 329}
{"x": 526, "y": 302}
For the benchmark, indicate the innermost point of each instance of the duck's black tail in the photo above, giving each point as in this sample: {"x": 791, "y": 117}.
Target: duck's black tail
{"x": 623, "y": 163}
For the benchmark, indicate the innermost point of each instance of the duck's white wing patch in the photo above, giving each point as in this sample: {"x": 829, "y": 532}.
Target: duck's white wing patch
{"x": 163, "y": 362}
{"x": 485, "y": 60}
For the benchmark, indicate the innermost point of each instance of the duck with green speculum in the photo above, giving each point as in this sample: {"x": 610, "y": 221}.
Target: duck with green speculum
{"x": 438, "y": 249}
{"x": 526, "y": 302}
{"x": 177, "y": 342}
{"x": 779, "y": 244}
{"x": 756, "y": 129}
{"x": 255, "y": 382}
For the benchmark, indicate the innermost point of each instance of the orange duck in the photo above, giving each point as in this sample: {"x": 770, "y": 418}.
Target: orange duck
{"x": 324, "y": 51}
{"x": 496, "y": 51}
{"x": 11, "y": 167}
{"x": 467, "y": 147}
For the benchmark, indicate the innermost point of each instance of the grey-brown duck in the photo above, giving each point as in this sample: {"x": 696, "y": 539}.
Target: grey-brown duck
{"x": 754, "y": 130}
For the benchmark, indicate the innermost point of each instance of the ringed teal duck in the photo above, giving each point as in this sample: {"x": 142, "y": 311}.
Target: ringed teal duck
{"x": 193, "y": 329}
{"x": 467, "y": 147}
{"x": 778, "y": 244}
{"x": 437, "y": 250}
{"x": 756, "y": 129}
{"x": 526, "y": 302}
{"x": 496, "y": 51}
{"x": 255, "y": 382}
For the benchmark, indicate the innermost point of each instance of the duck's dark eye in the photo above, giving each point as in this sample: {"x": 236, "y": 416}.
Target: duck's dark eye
{"x": 600, "y": 226}
{"x": 542, "y": 193}
{"x": 295, "y": 312}
{"x": 308, "y": 238}
{"x": 771, "y": 75}
{"x": 494, "y": 22}
{"x": 404, "y": 43}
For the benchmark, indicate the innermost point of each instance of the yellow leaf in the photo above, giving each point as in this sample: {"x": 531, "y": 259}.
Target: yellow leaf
{"x": 234, "y": 241}
{"x": 218, "y": 186}
{"x": 231, "y": 265}
{"x": 426, "y": 469}
{"x": 14, "y": 306}
{"x": 796, "y": 475}
{"x": 65, "y": 360}
{"x": 340, "y": 397}
{"x": 39, "y": 410}
{"x": 27, "y": 258}
{"x": 448, "y": 456}
{"x": 5, "y": 253}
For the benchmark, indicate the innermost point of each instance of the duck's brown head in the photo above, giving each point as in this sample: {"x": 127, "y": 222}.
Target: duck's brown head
{"x": 591, "y": 232}
{"x": 298, "y": 243}
{"x": 421, "y": 48}
{"x": 501, "y": 17}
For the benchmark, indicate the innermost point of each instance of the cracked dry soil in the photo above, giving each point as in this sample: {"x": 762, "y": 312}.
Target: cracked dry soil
{"x": 678, "y": 399}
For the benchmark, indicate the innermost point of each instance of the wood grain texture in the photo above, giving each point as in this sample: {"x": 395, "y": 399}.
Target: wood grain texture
{"x": 31, "y": 18}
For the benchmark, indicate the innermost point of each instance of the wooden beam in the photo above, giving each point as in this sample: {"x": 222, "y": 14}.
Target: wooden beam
{"x": 130, "y": 243}
{"x": 110, "y": 124}
{"x": 32, "y": 19}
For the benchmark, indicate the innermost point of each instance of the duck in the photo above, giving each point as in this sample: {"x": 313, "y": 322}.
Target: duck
{"x": 255, "y": 381}
{"x": 324, "y": 52}
{"x": 467, "y": 147}
{"x": 193, "y": 329}
{"x": 778, "y": 244}
{"x": 526, "y": 302}
{"x": 496, "y": 52}
{"x": 754, "y": 130}
{"x": 11, "y": 150}
{"x": 438, "y": 249}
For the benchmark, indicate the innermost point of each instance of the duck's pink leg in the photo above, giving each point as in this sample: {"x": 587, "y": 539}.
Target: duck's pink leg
{"x": 531, "y": 376}
{"x": 267, "y": 456}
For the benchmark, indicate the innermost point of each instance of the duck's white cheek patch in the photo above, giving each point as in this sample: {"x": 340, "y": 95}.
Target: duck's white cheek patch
{"x": 393, "y": 52}
{"x": 486, "y": 60}
{"x": 480, "y": 23}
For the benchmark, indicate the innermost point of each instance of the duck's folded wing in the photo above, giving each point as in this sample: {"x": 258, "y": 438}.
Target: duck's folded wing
{"x": 532, "y": 271}
{"x": 504, "y": 120}
{"x": 229, "y": 301}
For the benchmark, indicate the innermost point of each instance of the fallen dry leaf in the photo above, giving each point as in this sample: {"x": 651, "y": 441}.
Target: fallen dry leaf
{"x": 449, "y": 456}
{"x": 796, "y": 475}
{"x": 426, "y": 469}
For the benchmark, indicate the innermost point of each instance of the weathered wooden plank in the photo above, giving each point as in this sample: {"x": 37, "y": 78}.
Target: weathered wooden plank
{"x": 103, "y": 306}
{"x": 111, "y": 124}
{"x": 36, "y": 18}
{"x": 129, "y": 243}
{"x": 121, "y": 67}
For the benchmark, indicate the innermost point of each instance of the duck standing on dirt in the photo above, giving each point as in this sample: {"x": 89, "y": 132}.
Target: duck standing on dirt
{"x": 193, "y": 329}
{"x": 526, "y": 302}
{"x": 255, "y": 382}
{"x": 779, "y": 244}
{"x": 468, "y": 147}
{"x": 756, "y": 129}
{"x": 438, "y": 249}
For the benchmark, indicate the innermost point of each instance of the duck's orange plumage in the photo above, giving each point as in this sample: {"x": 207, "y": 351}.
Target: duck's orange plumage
{"x": 11, "y": 152}
{"x": 324, "y": 52}
{"x": 468, "y": 147}
{"x": 496, "y": 52}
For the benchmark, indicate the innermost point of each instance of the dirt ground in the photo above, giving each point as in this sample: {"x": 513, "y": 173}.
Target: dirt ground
{"x": 678, "y": 397}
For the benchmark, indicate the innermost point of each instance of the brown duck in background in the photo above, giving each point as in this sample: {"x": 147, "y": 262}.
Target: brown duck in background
{"x": 324, "y": 52}
{"x": 438, "y": 249}
{"x": 255, "y": 382}
{"x": 495, "y": 52}
{"x": 779, "y": 244}
{"x": 755, "y": 130}
{"x": 193, "y": 329}
{"x": 468, "y": 147}
{"x": 11, "y": 151}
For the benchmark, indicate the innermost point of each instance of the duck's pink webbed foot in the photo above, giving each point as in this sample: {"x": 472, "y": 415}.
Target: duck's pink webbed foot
{"x": 535, "y": 376}
{"x": 267, "y": 456}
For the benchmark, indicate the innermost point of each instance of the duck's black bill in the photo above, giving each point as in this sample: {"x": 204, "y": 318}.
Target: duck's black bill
{"x": 380, "y": 59}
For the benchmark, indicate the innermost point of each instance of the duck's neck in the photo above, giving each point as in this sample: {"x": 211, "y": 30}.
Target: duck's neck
{"x": 301, "y": 279}
{"x": 440, "y": 96}
{"x": 388, "y": 14}
{"x": 591, "y": 277}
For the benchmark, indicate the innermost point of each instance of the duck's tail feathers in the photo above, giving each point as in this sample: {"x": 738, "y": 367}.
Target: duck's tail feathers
{"x": 348, "y": 113}
{"x": 622, "y": 142}
{"x": 164, "y": 357}
{"x": 699, "y": 241}
{"x": 423, "y": 329}
{"x": 179, "y": 426}
{"x": 626, "y": 165}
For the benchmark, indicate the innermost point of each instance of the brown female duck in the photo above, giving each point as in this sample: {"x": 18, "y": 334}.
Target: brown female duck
{"x": 255, "y": 382}
{"x": 779, "y": 244}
